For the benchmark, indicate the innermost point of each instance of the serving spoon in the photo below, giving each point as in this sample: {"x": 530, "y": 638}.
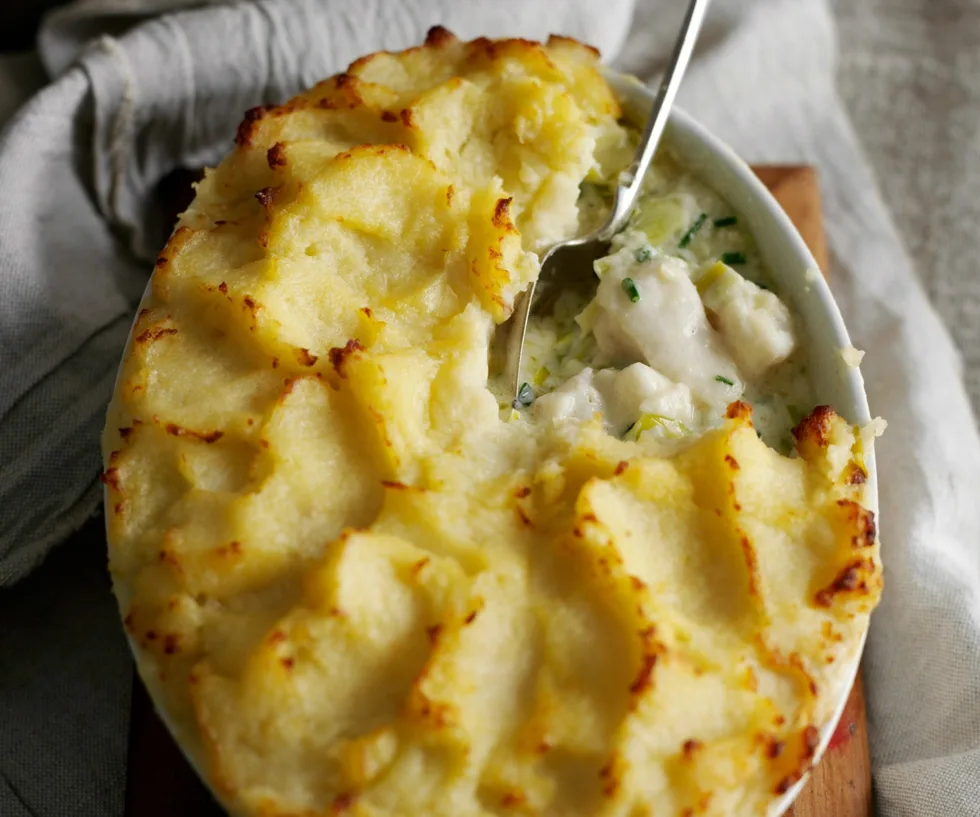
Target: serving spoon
{"x": 575, "y": 255}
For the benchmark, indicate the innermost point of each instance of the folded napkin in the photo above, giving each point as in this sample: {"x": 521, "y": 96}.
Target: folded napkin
{"x": 134, "y": 95}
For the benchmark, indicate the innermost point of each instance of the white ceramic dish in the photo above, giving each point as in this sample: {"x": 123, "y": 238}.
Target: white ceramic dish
{"x": 796, "y": 276}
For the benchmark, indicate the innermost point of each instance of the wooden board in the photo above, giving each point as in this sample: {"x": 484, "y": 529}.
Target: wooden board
{"x": 160, "y": 783}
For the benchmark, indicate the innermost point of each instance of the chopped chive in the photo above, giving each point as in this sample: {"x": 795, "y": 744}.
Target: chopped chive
{"x": 645, "y": 253}
{"x": 672, "y": 428}
{"x": 731, "y": 258}
{"x": 697, "y": 225}
{"x": 727, "y": 221}
{"x": 525, "y": 396}
{"x": 724, "y": 380}
{"x": 630, "y": 289}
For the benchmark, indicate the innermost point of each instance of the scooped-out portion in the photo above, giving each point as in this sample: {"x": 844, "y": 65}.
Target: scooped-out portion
{"x": 354, "y": 586}
{"x": 683, "y": 321}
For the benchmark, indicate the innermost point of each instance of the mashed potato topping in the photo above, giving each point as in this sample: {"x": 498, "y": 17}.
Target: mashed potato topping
{"x": 353, "y": 587}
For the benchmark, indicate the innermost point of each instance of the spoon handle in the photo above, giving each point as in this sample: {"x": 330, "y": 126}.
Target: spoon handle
{"x": 632, "y": 178}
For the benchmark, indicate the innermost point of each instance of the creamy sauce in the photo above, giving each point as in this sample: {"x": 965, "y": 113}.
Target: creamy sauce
{"x": 682, "y": 323}
{"x": 621, "y": 395}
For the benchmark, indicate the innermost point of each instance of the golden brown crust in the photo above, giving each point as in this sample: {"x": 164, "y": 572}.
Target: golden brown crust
{"x": 246, "y": 129}
{"x": 276, "y": 156}
{"x": 438, "y": 37}
{"x": 814, "y": 429}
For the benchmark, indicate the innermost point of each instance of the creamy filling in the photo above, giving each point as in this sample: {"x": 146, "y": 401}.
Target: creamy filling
{"x": 648, "y": 309}
{"x": 622, "y": 396}
{"x": 674, "y": 333}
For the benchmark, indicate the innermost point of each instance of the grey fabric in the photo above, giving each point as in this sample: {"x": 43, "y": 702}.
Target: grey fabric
{"x": 79, "y": 225}
{"x": 908, "y": 75}
{"x": 65, "y": 678}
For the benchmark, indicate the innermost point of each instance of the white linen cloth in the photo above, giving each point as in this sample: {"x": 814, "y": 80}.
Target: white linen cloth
{"x": 132, "y": 95}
